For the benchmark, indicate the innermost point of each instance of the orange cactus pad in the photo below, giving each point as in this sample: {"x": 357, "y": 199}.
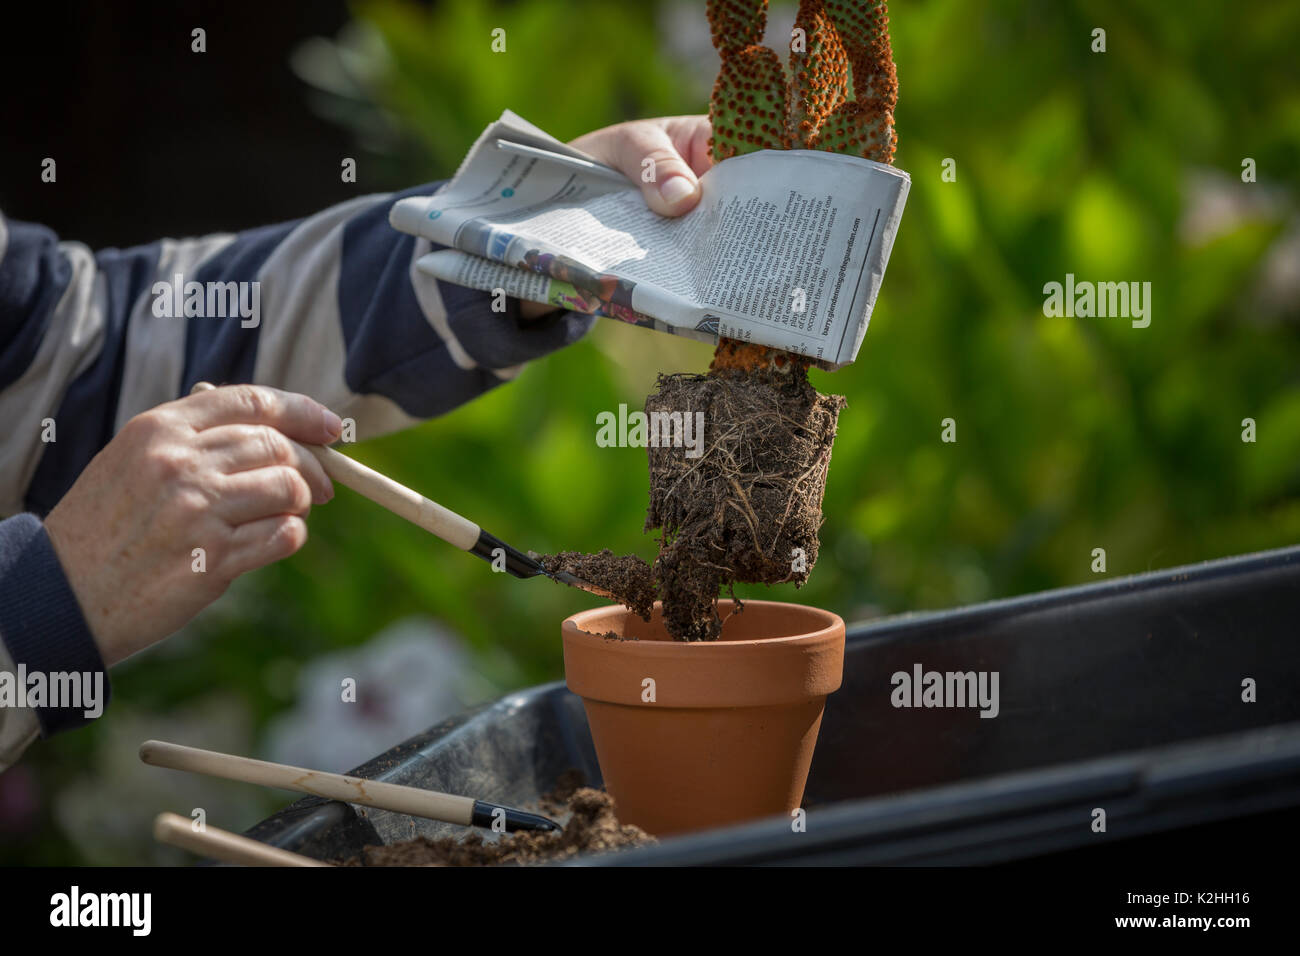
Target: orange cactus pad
{"x": 747, "y": 109}
{"x": 757, "y": 105}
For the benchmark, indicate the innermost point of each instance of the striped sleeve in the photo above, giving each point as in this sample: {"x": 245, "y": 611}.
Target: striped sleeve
{"x": 331, "y": 306}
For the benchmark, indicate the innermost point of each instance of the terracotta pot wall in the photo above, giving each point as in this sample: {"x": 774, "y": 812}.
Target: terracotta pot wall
{"x": 730, "y": 733}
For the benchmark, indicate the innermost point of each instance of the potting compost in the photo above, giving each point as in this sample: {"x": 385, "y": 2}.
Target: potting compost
{"x": 747, "y": 509}
{"x": 627, "y": 577}
{"x": 593, "y": 827}
{"x": 750, "y": 507}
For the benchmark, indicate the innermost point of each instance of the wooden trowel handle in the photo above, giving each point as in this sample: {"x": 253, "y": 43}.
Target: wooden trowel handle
{"x": 415, "y": 508}
{"x": 397, "y": 498}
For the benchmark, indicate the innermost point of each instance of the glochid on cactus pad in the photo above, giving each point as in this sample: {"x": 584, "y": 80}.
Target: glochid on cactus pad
{"x": 838, "y": 93}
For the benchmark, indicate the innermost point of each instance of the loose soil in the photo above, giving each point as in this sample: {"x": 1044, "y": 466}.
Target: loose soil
{"x": 556, "y": 802}
{"x": 626, "y": 577}
{"x": 592, "y": 827}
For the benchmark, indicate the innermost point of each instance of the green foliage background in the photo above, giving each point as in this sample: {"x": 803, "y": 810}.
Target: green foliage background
{"x": 1073, "y": 434}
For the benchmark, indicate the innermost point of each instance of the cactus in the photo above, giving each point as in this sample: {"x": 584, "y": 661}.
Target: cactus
{"x": 757, "y": 105}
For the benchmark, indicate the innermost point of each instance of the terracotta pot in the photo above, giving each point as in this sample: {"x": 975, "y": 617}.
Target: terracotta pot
{"x": 730, "y": 731}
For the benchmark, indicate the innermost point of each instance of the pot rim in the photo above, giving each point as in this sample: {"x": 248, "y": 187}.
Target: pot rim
{"x": 788, "y": 669}
{"x": 577, "y": 626}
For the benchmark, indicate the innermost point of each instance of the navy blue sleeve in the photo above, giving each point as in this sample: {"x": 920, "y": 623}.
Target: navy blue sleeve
{"x": 41, "y": 623}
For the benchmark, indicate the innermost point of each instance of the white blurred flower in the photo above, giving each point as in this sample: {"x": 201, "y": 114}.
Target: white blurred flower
{"x": 407, "y": 678}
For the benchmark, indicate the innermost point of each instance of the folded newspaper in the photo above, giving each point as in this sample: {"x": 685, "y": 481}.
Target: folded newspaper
{"x": 786, "y": 248}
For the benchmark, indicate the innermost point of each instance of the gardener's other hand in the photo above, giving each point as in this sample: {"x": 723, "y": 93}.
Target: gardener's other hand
{"x": 215, "y": 471}
{"x": 666, "y": 156}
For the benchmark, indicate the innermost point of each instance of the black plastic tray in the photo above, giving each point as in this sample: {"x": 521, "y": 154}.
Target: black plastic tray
{"x": 1124, "y": 696}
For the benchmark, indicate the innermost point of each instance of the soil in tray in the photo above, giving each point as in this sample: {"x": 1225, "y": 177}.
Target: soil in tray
{"x": 592, "y": 827}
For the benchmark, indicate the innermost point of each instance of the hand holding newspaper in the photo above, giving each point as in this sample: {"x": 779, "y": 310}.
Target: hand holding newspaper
{"x": 786, "y": 248}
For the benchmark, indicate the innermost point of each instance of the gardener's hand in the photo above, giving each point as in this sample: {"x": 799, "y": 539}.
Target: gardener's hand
{"x": 665, "y": 156}
{"x": 677, "y": 148}
{"x": 216, "y": 471}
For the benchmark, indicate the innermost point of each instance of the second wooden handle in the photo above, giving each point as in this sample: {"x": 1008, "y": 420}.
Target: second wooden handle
{"x": 223, "y": 845}
{"x": 334, "y": 786}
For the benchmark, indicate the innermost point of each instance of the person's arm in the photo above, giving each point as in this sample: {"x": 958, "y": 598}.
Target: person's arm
{"x": 19, "y": 727}
{"x": 329, "y": 306}
{"x": 43, "y": 630}
{"x": 339, "y": 314}
{"x": 90, "y": 352}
